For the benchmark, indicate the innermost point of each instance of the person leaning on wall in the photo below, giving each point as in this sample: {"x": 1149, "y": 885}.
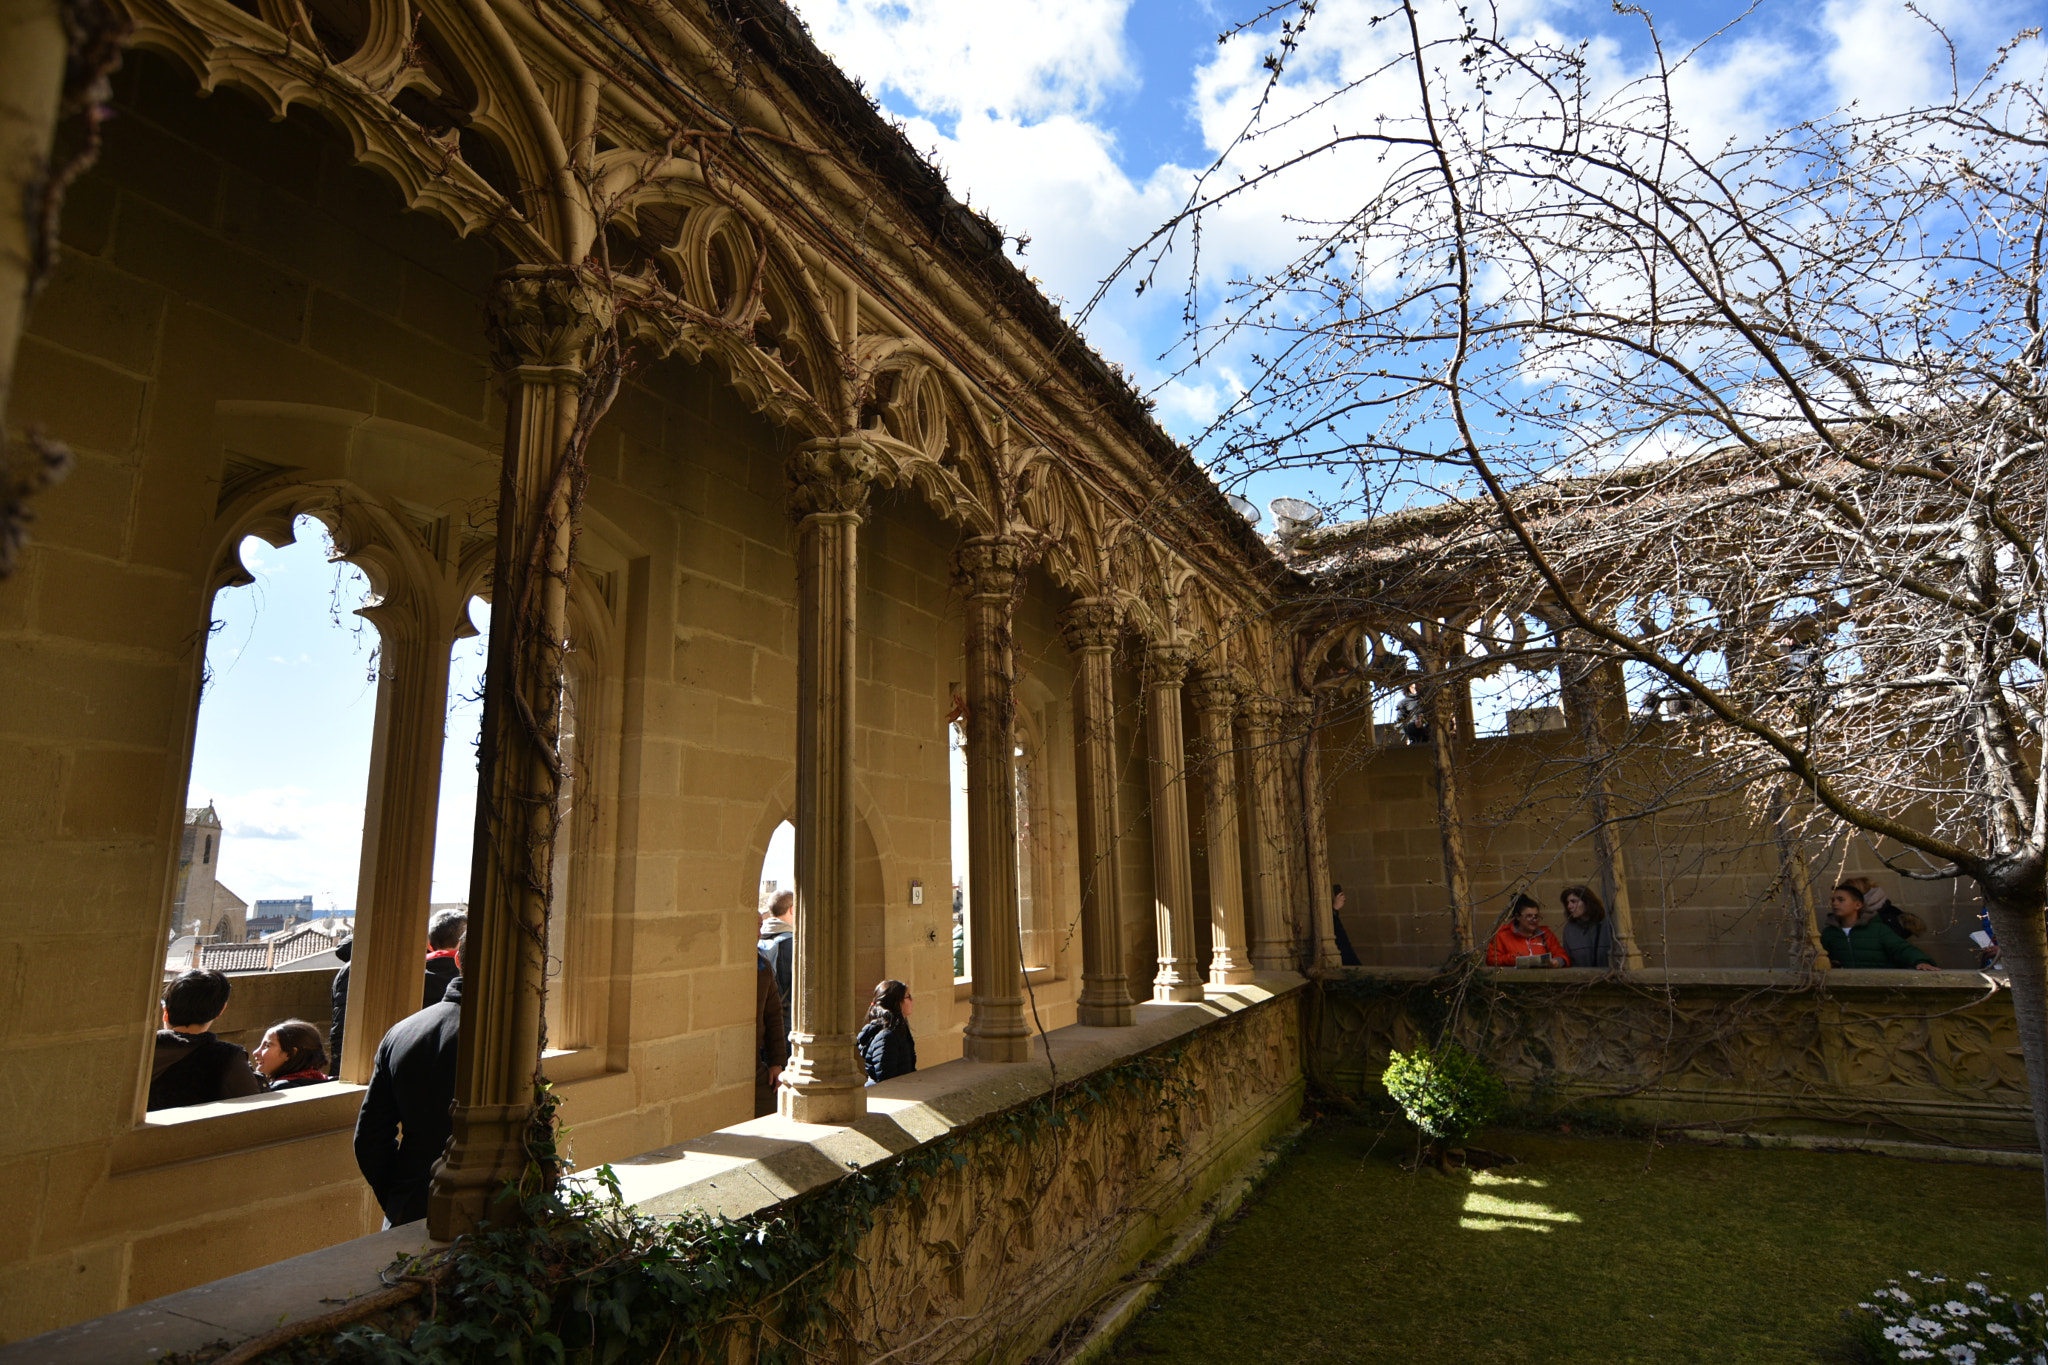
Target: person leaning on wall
{"x": 1857, "y": 940}
{"x": 1588, "y": 932}
{"x": 192, "y": 1066}
{"x": 884, "y": 1044}
{"x": 290, "y": 1055}
{"x": 771, "y": 1036}
{"x": 1523, "y": 941}
{"x": 1346, "y": 954}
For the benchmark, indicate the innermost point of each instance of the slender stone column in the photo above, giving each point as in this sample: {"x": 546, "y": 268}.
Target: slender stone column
{"x": 828, "y": 491}
{"x": 34, "y": 66}
{"x": 395, "y": 882}
{"x": 1229, "y": 961}
{"x": 544, "y": 321}
{"x": 1591, "y": 695}
{"x": 1173, "y": 877}
{"x": 1440, "y": 699}
{"x": 1265, "y": 811}
{"x": 988, "y": 568}
{"x": 1091, "y": 630}
{"x": 1321, "y": 949}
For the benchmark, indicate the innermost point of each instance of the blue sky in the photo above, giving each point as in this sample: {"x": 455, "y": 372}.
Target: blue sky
{"x": 1079, "y": 124}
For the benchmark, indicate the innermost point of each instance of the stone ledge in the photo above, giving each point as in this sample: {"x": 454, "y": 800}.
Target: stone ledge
{"x": 1781, "y": 978}
{"x": 755, "y": 1165}
{"x": 228, "y": 1127}
{"x": 735, "y": 1172}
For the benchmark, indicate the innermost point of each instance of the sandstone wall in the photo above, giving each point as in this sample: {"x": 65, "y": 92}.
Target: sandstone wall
{"x": 237, "y": 307}
{"x": 1705, "y": 880}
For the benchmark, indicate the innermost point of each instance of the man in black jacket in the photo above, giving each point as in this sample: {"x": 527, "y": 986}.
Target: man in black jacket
{"x": 191, "y": 1065}
{"x": 337, "y": 994}
{"x": 413, "y": 1089}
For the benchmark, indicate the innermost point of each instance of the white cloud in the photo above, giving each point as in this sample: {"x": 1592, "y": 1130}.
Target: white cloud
{"x": 287, "y": 842}
{"x": 950, "y": 58}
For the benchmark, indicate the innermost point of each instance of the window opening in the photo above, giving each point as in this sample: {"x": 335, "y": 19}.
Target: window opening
{"x": 455, "y": 813}
{"x": 280, "y": 767}
{"x": 562, "y": 866}
{"x": 956, "y": 777}
{"x": 1516, "y": 701}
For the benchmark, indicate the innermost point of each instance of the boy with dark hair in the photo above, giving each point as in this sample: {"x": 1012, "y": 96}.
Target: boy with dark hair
{"x": 191, "y": 1065}
{"x": 444, "y": 936}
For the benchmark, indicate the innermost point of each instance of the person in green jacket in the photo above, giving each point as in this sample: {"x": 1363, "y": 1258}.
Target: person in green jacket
{"x": 1853, "y": 941}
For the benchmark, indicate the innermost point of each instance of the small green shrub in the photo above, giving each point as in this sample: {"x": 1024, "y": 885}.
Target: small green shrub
{"x": 1445, "y": 1091}
{"x": 1929, "y": 1318}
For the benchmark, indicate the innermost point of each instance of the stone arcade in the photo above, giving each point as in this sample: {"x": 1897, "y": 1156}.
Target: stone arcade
{"x": 645, "y": 325}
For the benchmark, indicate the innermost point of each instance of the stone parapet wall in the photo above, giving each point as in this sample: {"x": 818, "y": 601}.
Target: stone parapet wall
{"x": 1032, "y": 1202}
{"x": 1918, "y": 1055}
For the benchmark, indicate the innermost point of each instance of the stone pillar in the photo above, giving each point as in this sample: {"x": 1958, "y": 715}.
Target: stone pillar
{"x": 1593, "y": 697}
{"x": 1229, "y": 945}
{"x": 1265, "y": 814}
{"x": 34, "y": 53}
{"x": 544, "y": 322}
{"x": 1440, "y": 702}
{"x": 988, "y": 569}
{"x": 395, "y": 881}
{"x": 1091, "y": 631}
{"x": 1173, "y": 877}
{"x": 828, "y": 492}
{"x": 1321, "y": 949}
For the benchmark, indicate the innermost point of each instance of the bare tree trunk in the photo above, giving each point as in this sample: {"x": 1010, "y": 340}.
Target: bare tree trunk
{"x": 2021, "y": 925}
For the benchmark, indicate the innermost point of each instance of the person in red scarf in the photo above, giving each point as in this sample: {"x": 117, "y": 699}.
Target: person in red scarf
{"x": 1523, "y": 935}
{"x": 444, "y": 936}
{"x": 290, "y": 1055}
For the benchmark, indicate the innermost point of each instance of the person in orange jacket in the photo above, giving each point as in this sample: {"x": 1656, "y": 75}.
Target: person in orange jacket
{"x": 1523, "y": 935}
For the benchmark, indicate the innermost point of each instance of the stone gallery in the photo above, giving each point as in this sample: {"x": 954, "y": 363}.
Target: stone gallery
{"x": 778, "y": 475}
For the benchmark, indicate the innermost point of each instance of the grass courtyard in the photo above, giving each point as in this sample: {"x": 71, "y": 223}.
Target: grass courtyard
{"x": 1595, "y": 1251}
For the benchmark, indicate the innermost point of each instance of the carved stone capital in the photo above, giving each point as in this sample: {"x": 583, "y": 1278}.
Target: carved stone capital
{"x": 831, "y": 474}
{"x": 1213, "y": 692}
{"x": 1091, "y": 623}
{"x": 546, "y": 316}
{"x": 1261, "y": 712}
{"x": 988, "y": 566}
{"x": 1166, "y": 664}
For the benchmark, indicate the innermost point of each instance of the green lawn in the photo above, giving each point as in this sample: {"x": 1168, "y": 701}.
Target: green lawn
{"x": 1596, "y": 1251}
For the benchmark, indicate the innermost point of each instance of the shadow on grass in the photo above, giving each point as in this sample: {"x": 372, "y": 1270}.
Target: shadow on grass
{"x": 1595, "y": 1251}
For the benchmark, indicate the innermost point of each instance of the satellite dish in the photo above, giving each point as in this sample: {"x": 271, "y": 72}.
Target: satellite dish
{"x": 1295, "y": 514}
{"x": 1244, "y": 507}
